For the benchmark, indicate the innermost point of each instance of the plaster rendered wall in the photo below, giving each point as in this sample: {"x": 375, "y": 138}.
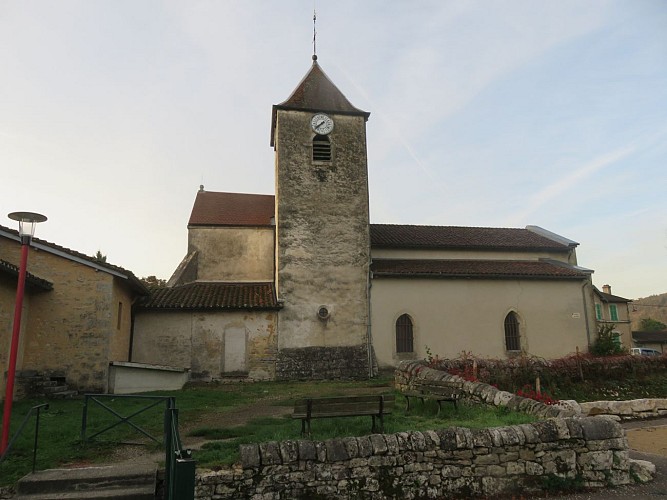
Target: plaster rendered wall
{"x": 623, "y": 325}
{"x": 68, "y": 330}
{"x": 391, "y": 253}
{"x": 323, "y": 235}
{"x": 233, "y": 253}
{"x": 201, "y": 342}
{"x": 451, "y": 316}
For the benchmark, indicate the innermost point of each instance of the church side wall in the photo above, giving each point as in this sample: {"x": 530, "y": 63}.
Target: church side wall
{"x": 407, "y": 253}
{"x": 210, "y": 344}
{"x": 233, "y": 253}
{"x": 451, "y": 316}
{"x": 323, "y": 249}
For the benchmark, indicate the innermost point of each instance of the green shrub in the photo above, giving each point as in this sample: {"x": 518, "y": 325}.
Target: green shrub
{"x": 607, "y": 342}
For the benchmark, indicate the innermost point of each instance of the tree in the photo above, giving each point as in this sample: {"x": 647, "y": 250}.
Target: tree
{"x": 154, "y": 282}
{"x": 100, "y": 258}
{"x": 651, "y": 325}
{"x": 608, "y": 342}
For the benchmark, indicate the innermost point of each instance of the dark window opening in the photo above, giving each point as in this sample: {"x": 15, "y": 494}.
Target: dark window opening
{"x": 404, "y": 336}
{"x": 321, "y": 148}
{"x": 512, "y": 333}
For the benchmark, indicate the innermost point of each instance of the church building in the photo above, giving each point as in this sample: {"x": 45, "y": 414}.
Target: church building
{"x": 301, "y": 285}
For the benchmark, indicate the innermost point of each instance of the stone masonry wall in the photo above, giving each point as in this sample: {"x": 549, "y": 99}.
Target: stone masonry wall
{"x": 431, "y": 464}
{"x": 477, "y": 392}
{"x": 635, "y": 409}
{"x": 322, "y": 363}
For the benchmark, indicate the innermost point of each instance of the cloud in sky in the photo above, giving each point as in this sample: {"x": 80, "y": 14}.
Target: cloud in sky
{"x": 544, "y": 113}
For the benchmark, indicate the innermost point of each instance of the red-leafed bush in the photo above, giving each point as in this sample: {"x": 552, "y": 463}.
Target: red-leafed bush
{"x": 543, "y": 397}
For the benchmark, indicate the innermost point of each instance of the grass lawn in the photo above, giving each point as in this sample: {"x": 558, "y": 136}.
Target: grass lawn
{"x": 60, "y": 426}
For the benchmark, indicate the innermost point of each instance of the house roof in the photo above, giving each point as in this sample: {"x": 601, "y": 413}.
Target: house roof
{"x": 202, "y": 295}
{"x": 316, "y": 92}
{"x": 70, "y": 254}
{"x": 32, "y": 282}
{"x": 643, "y": 336}
{"x": 232, "y": 209}
{"x": 609, "y": 298}
{"x": 481, "y": 269}
{"x": 482, "y": 238}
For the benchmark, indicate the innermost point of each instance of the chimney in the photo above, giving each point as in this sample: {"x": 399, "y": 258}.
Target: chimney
{"x": 606, "y": 289}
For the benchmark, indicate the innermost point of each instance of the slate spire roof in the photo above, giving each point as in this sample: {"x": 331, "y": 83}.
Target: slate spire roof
{"x": 316, "y": 92}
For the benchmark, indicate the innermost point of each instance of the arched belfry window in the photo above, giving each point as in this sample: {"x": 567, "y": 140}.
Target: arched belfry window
{"x": 512, "y": 332}
{"x": 404, "y": 335}
{"x": 321, "y": 148}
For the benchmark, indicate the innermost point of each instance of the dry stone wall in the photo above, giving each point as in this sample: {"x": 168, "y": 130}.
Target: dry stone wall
{"x": 431, "y": 464}
{"x": 635, "y": 409}
{"x": 445, "y": 463}
{"x": 478, "y": 392}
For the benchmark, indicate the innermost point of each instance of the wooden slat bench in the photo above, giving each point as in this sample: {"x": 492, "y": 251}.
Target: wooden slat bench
{"x": 433, "y": 390}
{"x": 343, "y": 406}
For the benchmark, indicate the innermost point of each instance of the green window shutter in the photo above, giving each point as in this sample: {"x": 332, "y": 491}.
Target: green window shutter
{"x": 598, "y": 311}
{"x": 613, "y": 312}
{"x": 617, "y": 339}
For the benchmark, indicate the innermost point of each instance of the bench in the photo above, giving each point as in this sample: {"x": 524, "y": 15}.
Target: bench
{"x": 437, "y": 391}
{"x": 343, "y": 406}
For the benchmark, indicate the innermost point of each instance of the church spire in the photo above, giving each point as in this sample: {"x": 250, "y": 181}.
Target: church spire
{"x": 314, "y": 36}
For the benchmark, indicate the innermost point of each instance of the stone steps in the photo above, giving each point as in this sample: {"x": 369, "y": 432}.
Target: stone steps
{"x": 121, "y": 482}
{"x": 34, "y": 384}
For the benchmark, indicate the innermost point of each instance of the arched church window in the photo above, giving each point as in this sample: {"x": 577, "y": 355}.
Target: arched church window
{"x": 512, "y": 332}
{"x": 321, "y": 148}
{"x": 404, "y": 335}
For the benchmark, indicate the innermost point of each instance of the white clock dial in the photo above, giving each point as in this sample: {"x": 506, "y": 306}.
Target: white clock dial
{"x": 322, "y": 124}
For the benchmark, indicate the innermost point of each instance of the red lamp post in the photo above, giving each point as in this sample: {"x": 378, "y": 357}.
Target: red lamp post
{"x": 27, "y": 222}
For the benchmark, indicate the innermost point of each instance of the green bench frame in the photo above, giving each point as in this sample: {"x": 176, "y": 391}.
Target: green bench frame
{"x": 375, "y": 406}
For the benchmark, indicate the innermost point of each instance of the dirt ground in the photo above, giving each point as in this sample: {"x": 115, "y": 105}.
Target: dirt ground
{"x": 649, "y": 440}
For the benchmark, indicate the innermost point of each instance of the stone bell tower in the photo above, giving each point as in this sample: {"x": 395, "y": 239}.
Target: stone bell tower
{"x": 322, "y": 232}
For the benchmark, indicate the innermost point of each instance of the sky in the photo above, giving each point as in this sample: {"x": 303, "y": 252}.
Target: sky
{"x": 495, "y": 113}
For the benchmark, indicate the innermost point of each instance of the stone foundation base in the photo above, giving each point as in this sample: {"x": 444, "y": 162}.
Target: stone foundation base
{"x": 313, "y": 363}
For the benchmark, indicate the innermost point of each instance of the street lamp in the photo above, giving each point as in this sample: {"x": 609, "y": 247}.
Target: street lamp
{"x": 27, "y": 222}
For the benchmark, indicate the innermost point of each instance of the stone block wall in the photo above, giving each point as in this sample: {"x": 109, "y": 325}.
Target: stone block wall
{"x": 476, "y": 392}
{"x": 323, "y": 363}
{"x": 635, "y": 409}
{"x": 431, "y": 464}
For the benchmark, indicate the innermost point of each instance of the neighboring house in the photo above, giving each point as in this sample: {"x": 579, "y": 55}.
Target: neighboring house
{"x": 612, "y": 309}
{"x": 301, "y": 285}
{"x": 76, "y": 312}
{"x": 652, "y": 340}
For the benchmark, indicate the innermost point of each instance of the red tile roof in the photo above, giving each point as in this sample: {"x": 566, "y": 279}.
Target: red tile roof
{"x": 609, "y": 298}
{"x": 32, "y": 282}
{"x": 232, "y": 209}
{"x": 482, "y": 238}
{"x": 133, "y": 281}
{"x": 213, "y": 295}
{"x": 484, "y": 269}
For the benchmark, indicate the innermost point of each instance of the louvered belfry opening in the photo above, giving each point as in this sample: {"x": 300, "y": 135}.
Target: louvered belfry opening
{"x": 404, "y": 336}
{"x": 321, "y": 148}
{"x": 512, "y": 333}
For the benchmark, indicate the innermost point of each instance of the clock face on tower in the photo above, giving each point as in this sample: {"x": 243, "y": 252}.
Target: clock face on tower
{"x": 321, "y": 124}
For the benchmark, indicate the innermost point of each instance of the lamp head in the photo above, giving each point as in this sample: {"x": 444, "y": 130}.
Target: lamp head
{"x": 27, "y": 222}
